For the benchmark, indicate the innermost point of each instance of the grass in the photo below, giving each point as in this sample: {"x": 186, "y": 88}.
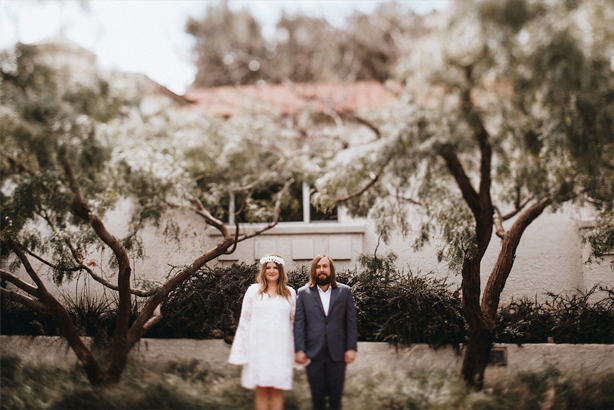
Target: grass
{"x": 191, "y": 385}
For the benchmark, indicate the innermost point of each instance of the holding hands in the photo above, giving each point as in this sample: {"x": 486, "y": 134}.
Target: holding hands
{"x": 300, "y": 357}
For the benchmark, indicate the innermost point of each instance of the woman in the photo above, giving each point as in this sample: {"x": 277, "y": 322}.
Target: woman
{"x": 264, "y": 342}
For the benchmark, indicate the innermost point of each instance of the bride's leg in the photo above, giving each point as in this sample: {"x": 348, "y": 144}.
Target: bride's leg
{"x": 277, "y": 399}
{"x": 261, "y": 402}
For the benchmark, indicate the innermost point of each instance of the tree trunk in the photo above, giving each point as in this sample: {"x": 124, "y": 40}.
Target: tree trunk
{"x": 481, "y": 330}
{"x": 475, "y": 358}
{"x": 507, "y": 255}
{"x": 482, "y": 318}
{"x": 139, "y": 327}
{"x": 92, "y": 369}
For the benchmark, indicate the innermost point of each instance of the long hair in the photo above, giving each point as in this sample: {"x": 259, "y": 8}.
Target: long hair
{"x": 282, "y": 281}
{"x": 312, "y": 272}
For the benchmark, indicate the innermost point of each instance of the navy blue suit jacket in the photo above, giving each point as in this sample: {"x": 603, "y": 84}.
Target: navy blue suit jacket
{"x": 314, "y": 332}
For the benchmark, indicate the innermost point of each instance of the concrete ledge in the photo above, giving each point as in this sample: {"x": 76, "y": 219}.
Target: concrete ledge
{"x": 298, "y": 228}
{"x": 372, "y": 357}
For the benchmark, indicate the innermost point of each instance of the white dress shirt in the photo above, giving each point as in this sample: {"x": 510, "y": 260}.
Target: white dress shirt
{"x": 325, "y": 297}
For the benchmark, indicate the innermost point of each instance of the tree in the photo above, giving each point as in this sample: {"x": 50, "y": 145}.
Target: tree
{"x": 507, "y": 112}
{"x": 226, "y": 44}
{"x": 231, "y": 50}
{"x": 75, "y": 142}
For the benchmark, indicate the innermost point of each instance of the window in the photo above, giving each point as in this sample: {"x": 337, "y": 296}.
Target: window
{"x": 296, "y": 205}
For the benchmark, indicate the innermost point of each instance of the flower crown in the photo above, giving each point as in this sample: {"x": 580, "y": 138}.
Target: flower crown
{"x": 272, "y": 258}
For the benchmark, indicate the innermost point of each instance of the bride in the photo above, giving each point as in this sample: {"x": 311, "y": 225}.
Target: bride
{"x": 264, "y": 341}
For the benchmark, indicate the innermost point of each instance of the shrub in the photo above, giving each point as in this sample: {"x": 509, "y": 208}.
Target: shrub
{"x": 392, "y": 305}
{"x": 565, "y": 318}
{"x": 93, "y": 316}
{"x": 17, "y": 319}
{"x": 207, "y": 305}
{"x": 402, "y": 307}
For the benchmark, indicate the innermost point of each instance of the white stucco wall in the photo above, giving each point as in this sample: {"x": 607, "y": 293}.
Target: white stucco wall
{"x": 551, "y": 256}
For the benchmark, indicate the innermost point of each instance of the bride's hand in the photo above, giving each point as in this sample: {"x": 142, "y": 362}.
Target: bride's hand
{"x": 300, "y": 357}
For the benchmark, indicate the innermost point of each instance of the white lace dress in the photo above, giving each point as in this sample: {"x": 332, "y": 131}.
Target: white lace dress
{"x": 264, "y": 342}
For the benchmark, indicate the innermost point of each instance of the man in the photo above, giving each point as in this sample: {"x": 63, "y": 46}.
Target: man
{"x": 325, "y": 332}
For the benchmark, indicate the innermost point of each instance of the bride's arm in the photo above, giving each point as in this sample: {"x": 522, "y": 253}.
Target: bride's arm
{"x": 239, "y": 350}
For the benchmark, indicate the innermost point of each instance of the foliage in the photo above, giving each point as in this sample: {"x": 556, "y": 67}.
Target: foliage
{"x": 601, "y": 238}
{"x": 95, "y": 316}
{"x": 54, "y": 111}
{"x": 433, "y": 389}
{"x": 506, "y": 112}
{"x": 540, "y": 79}
{"x": 79, "y": 142}
{"x": 17, "y": 319}
{"x": 231, "y": 49}
{"x": 194, "y": 385}
{"x": 576, "y": 318}
{"x": 50, "y": 115}
{"x": 208, "y": 304}
{"x": 404, "y": 307}
{"x": 393, "y": 305}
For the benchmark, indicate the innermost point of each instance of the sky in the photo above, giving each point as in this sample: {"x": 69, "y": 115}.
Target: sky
{"x": 148, "y": 36}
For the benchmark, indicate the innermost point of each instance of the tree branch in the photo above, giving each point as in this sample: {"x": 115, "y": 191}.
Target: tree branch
{"x": 80, "y": 208}
{"x": 499, "y": 218}
{"x": 26, "y": 287}
{"x": 507, "y": 255}
{"x": 498, "y": 221}
{"x": 154, "y": 319}
{"x": 112, "y": 286}
{"x": 456, "y": 169}
{"x": 262, "y": 177}
{"x": 89, "y": 270}
{"x": 374, "y": 179}
{"x": 51, "y": 265}
{"x": 405, "y": 199}
{"x": 275, "y": 214}
{"x": 17, "y": 164}
{"x": 200, "y": 209}
{"x": 137, "y": 330}
{"x": 360, "y": 120}
{"x": 26, "y": 264}
{"x": 481, "y": 135}
{"x": 519, "y": 207}
{"x": 23, "y": 300}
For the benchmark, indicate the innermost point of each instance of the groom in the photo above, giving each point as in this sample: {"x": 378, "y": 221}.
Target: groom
{"x": 325, "y": 332}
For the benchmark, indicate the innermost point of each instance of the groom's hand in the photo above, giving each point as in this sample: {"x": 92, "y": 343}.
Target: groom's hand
{"x": 300, "y": 357}
{"x": 350, "y": 356}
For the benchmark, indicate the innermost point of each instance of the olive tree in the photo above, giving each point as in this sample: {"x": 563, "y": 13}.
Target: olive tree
{"x": 507, "y": 111}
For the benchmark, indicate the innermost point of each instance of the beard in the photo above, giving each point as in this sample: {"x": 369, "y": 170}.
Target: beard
{"x": 323, "y": 281}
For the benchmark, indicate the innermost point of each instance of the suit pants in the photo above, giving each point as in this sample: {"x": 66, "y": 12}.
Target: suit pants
{"x": 326, "y": 378}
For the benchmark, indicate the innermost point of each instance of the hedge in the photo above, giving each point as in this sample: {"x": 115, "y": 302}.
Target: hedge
{"x": 393, "y": 305}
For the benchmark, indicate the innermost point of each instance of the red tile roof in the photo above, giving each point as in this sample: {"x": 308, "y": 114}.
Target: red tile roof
{"x": 289, "y": 99}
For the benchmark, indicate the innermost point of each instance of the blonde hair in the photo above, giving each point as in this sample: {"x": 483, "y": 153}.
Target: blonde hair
{"x": 282, "y": 281}
{"x": 312, "y": 273}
